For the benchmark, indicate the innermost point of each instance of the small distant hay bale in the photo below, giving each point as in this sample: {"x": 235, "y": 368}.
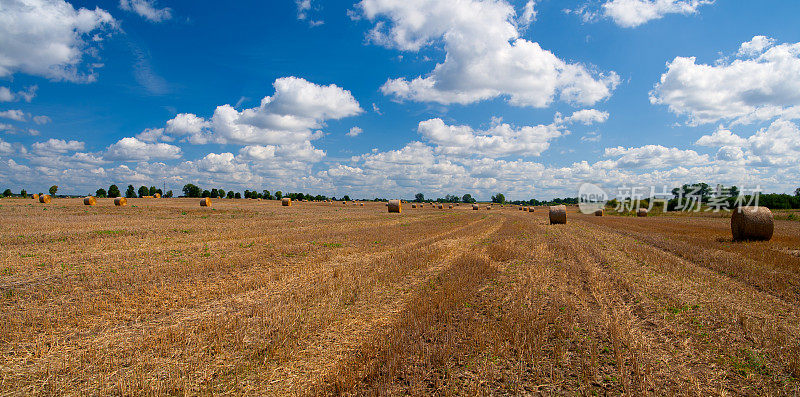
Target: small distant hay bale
{"x": 45, "y": 199}
{"x": 147, "y": 196}
{"x": 120, "y": 201}
{"x": 524, "y": 209}
{"x": 206, "y": 202}
{"x": 395, "y": 206}
{"x": 286, "y": 202}
{"x": 476, "y": 207}
{"x": 598, "y": 212}
{"x": 531, "y": 209}
{"x": 752, "y": 223}
{"x": 488, "y": 207}
{"x": 89, "y": 200}
{"x": 361, "y": 204}
{"x": 441, "y": 207}
{"x": 157, "y": 195}
{"x": 558, "y": 215}
{"x": 413, "y": 206}
{"x": 520, "y": 208}
{"x": 450, "y": 206}
{"x": 641, "y": 213}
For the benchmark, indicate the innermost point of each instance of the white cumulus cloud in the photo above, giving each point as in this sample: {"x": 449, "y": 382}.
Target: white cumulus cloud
{"x": 133, "y": 149}
{"x": 633, "y": 13}
{"x": 147, "y": 9}
{"x": 761, "y": 85}
{"x": 50, "y": 38}
{"x": 485, "y": 56}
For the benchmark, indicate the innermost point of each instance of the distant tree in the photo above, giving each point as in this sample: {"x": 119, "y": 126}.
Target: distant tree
{"x": 206, "y": 193}
{"x": 101, "y": 193}
{"x": 267, "y": 195}
{"x": 53, "y": 190}
{"x": 143, "y": 191}
{"x": 221, "y": 193}
{"x": 230, "y": 194}
{"x": 278, "y": 195}
{"x": 191, "y": 190}
{"x": 168, "y": 194}
{"x": 346, "y": 198}
{"x": 113, "y": 191}
{"x": 7, "y": 193}
{"x": 734, "y": 191}
{"x": 131, "y": 192}
{"x": 797, "y": 192}
{"x": 467, "y": 198}
{"x": 214, "y": 193}
{"x": 152, "y": 191}
{"x": 24, "y": 193}
{"x": 246, "y": 194}
{"x": 499, "y": 198}
{"x": 237, "y": 195}
{"x": 419, "y": 197}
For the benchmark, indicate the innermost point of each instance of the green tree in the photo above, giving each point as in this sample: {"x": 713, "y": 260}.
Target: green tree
{"x": 221, "y": 193}
{"x": 24, "y": 193}
{"x": 267, "y": 195}
{"x": 206, "y": 193}
{"x": 346, "y": 198}
{"x": 168, "y": 194}
{"x": 419, "y": 197}
{"x": 237, "y": 195}
{"x": 143, "y": 191}
{"x": 467, "y": 198}
{"x": 53, "y": 190}
{"x": 101, "y": 193}
{"x": 7, "y": 193}
{"x": 152, "y": 191}
{"x": 214, "y": 193}
{"x": 797, "y": 192}
{"x": 230, "y": 194}
{"x": 131, "y": 192}
{"x": 113, "y": 191}
{"x": 191, "y": 190}
{"x": 499, "y": 198}
{"x": 278, "y": 195}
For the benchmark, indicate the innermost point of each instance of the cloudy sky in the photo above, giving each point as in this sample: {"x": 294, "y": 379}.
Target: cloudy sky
{"x": 388, "y": 98}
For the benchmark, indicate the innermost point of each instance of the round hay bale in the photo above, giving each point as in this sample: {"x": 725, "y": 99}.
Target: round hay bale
{"x": 361, "y": 204}
{"x": 520, "y": 208}
{"x": 441, "y": 207}
{"x": 157, "y": 195}
{"x": 206, "y": 202}
{"x": 488, "y": 207}
{"x": 395, "y": 206}
{"x": 598, "y": 212}
{"x": 752, "y": 223}
{"x": 120, "y": 201}
{"x": 524, "y": 209}
{"x": 286, "y": 202}
{"x": 531, "y": 209}
{"x": 89, "y": 200}
{"x": 475, "y": 207}
{"x": 45, "y": 199}
{"x": 641, "y": 212}
{"x": 558, "y": 215}
{"x": 450, "y": 206}
{"x": 35, "y": 196}
{"x": 413, "y": 206}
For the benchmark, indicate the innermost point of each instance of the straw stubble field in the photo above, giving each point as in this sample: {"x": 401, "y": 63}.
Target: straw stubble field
{"x": 249, "y": 297}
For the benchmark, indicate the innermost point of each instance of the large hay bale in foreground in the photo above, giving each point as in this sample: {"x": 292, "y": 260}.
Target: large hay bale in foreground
{"x": 476, "y": 207}
{"x": 206, "y": 202}
{"x": 35, "y": 196}
{"x": 45, "y": 199}
{"x": 641, "y": 213}
{"x": 598, "y": 212}
{"x": 558, "y": 215}
{"x": 395, "y": 206}
{"x": 286, "y": 202}
{"x": 89, "y": 200}
{"x": 752, "y": 223}
{"x": 120, "y": 201}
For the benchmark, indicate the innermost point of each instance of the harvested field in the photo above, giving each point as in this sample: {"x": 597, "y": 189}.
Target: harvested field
{"x": 249, "y": 297}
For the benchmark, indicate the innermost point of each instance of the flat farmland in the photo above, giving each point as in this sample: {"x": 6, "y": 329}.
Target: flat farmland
{"x": 249, "y": 297}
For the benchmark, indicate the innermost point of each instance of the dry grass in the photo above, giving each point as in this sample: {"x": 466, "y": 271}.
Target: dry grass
{"x": 247, "y": 297}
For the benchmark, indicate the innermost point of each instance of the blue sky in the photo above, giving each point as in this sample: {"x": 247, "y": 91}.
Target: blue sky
{"x": 386, "y": 98}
